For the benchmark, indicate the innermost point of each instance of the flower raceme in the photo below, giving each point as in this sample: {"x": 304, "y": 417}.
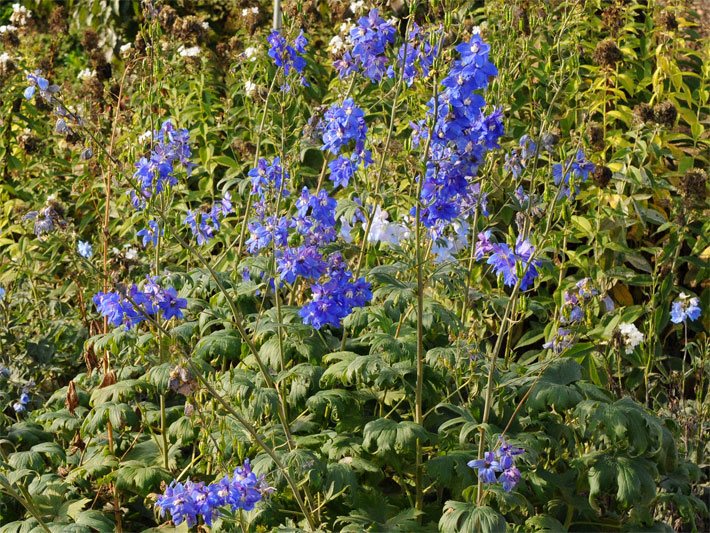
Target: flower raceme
{"x": 155, "y": 172}
{"x": 685, "y": 308}
{"x": 367, "y": 43}
{"x": 499, "y": 466}
{"x": 131, "y": 307}
{"x": 462, "y": 134}
{"x": 510, "y": 263}
{"x": 190, "y": 501}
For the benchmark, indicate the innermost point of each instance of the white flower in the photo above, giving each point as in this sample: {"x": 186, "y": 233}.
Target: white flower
{"x": 445, "y": 247}
{"x": 345, "y": 229}
{"x": 253, "y": 10}
{"x": 205, "y": 25}
{"x": 86, "y": 74}
{"x": 250, "y": 88}
{"x": 250, "y": 53}
{"x": 8, "y": 28}
{"x": 20, "y": 15}
{"x": 382, "y": 230}
{"x": 130, "y": 253}
{"x": 192, "y": 51}
{"x": 125, "y": 48}
{"x": 336, "y": 45}
{"x": 145, "y": 136}
{"x": 357, "y": 6}
{"x": 630, "y": 336}
{"x": 5, "y": 58}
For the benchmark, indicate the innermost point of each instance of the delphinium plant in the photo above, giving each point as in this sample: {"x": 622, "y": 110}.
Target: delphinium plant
{"x": 365, "y": 275}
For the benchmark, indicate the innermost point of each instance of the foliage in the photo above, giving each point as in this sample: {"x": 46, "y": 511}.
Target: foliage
{"x": 222, "y": 244}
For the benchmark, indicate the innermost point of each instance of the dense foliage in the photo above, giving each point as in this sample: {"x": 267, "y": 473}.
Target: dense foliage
{"x": 405, "y": 266}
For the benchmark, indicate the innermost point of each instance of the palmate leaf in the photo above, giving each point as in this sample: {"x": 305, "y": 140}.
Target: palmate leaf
{"x": 384, "y": 436}
{"x": 631, "y": 479}
{"x": 556, "y": 388}
{"x": 336, "y": 403}
{"x": 468, "y": 517}
{"x": 624, "y": 423}
{"x": 139, "y": 478}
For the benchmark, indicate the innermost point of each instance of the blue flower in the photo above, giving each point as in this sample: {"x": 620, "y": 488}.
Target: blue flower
{"x": 132, "y": 307}
{"x": 154, "y": 173}
{"x": 151, "y": 234}
{"x": 3, "y": 292}
{"x": 191, "y": 501}
{"x": 36, "y": 82}
{"x": 85, "y": 249}
{"x": 369, "y": 39}
{"x": 286, "y": 56}
{"x": 499, "y": 466}
{"x": 304, "y": 261}
{"x": 577, "y": 169}
{"x": 343, "y": 124}
{"x": 685, "y": 308}
{"x": 506, "y": 262}
{"x": 562, "y": 340}
{"x": 487, "y": 467}
{"x": 416, "y": 56}
{"x": 268, "y": 178}
{"x": 169, "y": 303}
{"x": 509, "y": 478}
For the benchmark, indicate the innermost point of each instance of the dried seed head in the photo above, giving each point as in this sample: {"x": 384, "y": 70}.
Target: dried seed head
{"x": 90, "y": 40}
{"x": 72, "y": 399}
{"x": 601, "y": 176}
{"x": 613, "y": 18}
{"x": 607, "y": 54}
{"x": 595, "y": 135}
{"x": 667, "y": 21}
{"x": 643, "y": 113}
{"x": 693, "y": 186}
{"x": 58, "y": 21}
{"x": 665, "y": 113}
{"x": 189, "y": 30}
{"x": 167, "y": 17}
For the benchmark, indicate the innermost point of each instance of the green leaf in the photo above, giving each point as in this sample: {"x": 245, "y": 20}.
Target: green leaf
{"x": 467, "y": 517}
{"x": 387, "y": 436}
{"x": 134, "y": 476}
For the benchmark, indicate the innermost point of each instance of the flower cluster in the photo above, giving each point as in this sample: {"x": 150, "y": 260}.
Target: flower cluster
{"x": 415, "y": 56}
{"x": 150, "y": 234}
{"x": 344, "y": 126}
{"x": 20, "y": 406}
{"x": 510, "y": 263}
{"x": 205, "y": 224}
{"x": 382, "y": 230}
{"x": 85, "y": 249}
{"x": 519, "y": 158}
{"x": 286, "y": 56}
{"x": 20, "y": 15}
{"x": 131, "y": 307}
{"x": 49, "y": 218}
{"x": 560, "y": 341}
{"x": 268, "y": 179}
{"x": 154, "y": 172}
{"x": 367, "y": 43}
{"x": 574, "y": 170}
{"x": 574, "y": 301}
{"x": 38, "y": 82}
{"x": 685, "y": 308}
{"x": 462, "y": 134}
{"x": 334, "y": 293}
{"x": 189, "y": 501}
{"x": 499, "y": 466}
{"x": 629, "y": 336}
